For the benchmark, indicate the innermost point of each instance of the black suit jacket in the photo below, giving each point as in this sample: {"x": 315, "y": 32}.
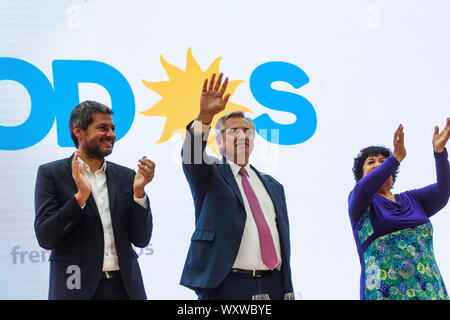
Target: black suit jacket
{"x": 75, "y": 235}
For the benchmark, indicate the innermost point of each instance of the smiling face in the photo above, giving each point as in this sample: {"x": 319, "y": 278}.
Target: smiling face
{"x": 237, "y": 140}
{"x": 97, "y": 141}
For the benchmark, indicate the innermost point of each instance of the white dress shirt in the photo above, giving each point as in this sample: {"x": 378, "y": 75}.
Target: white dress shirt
{"x": 99, "y": 189}
{"x": 249, "y": 254}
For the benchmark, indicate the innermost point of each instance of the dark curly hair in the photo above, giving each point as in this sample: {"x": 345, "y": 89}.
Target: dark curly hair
{"x": 358, "y": 162}
{"x": 81, "y": 116}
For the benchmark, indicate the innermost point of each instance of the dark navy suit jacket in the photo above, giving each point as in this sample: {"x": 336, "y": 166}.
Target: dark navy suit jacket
{"x": 75, "y": 235}
{"x": 220, "y": 217}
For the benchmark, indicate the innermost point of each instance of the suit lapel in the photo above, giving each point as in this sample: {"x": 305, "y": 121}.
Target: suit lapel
{"x": 227, "y": 174}
{"x": 93, "y": 206}
{"x": 271, "y": 191}
{"x": 111, "y": 181}
{"x": 281, "y": 217}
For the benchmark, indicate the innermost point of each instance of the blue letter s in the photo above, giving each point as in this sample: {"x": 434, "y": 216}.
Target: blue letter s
{"x": 260, "y": 85}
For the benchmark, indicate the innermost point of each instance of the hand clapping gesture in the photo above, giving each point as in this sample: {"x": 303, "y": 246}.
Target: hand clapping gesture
{"x": 212, "y": 101}
{"x": 82, "y": 182}
{"x": 441, "y": 138}
{"x": 145, "y": 174}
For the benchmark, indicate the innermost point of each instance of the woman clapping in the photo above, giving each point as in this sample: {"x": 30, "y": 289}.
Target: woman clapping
{"x": 393, "y": 232}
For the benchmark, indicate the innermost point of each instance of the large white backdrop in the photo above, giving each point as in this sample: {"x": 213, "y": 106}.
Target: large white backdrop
{"x": 371, "y": 65}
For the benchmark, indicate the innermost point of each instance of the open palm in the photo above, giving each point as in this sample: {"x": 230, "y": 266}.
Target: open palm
{"x": 440, "y": 138}
{"x": 212, "y": 100}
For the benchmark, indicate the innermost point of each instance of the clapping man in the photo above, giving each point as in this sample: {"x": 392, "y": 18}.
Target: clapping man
{"x": 90, "y": 211}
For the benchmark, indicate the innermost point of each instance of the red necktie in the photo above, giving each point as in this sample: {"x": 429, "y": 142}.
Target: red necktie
{"x": 268, "y": 252}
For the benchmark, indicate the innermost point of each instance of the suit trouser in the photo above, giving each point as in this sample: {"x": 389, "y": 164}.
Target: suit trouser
{"x": 111, "y": 289}
{"x": 243, "y": 287}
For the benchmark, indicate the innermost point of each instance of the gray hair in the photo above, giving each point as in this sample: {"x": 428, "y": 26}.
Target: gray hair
{"x": 220, "y": 125}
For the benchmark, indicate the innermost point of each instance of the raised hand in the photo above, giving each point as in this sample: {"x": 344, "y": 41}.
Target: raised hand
{"x": 145, "y": 174}
{"x": 399, "y": 144}
{"x": 212, "y": 100}
{"x": 82, "y": 182}
{"x": 441, "y": 138}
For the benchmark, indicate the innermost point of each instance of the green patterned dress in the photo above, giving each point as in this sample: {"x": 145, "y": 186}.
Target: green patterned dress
{"x": 401, "y": 265}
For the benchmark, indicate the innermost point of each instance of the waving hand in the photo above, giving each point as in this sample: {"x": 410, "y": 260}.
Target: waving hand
{"x": 212, "y": 100}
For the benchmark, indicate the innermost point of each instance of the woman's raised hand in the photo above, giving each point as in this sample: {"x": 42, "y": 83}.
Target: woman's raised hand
{"x": 399, "y": 144}
{"x": 441, "y": 138}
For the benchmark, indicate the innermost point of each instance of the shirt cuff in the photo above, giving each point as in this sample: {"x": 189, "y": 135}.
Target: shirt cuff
{"x": 442, "y": 155}
{"x": 394, "y": 159}
{"x": 83, "y": 206}
{"x": 198, "y": 127}
{"x": 141, "y": 201}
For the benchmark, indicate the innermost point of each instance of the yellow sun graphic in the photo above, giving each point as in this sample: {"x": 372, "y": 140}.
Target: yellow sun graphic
{"x": 180, "y": 101}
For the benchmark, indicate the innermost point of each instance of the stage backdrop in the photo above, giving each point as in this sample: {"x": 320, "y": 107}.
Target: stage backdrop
{"x": 322, "y": 79}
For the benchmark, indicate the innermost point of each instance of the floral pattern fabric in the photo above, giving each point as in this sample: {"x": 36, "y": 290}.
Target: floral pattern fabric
{"x": 365, "y": 229}
{"x": 401, "y": 266}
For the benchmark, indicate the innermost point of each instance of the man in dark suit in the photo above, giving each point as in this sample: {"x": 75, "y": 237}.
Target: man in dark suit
{"x": 89, "y": 211}
{"x": 240, "y": 248}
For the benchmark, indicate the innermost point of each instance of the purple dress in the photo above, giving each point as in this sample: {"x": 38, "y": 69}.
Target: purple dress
{"x": 395, "y": 239}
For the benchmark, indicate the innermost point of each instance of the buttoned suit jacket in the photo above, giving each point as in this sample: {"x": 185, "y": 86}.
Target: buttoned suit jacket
{"x": 220, "y": 217}
{"x": 75, "y": 236}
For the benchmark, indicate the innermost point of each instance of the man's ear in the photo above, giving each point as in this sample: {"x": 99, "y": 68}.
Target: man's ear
{"x": 78, "y": 132}
{"x": 219, "y": 143}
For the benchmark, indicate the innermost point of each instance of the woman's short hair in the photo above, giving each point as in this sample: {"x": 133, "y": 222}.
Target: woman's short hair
{"x": 358, "y": 162}
{"x": 81, "y": 116}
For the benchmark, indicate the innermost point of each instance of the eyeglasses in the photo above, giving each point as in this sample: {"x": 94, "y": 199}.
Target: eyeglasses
{"x": 237, "y": 131}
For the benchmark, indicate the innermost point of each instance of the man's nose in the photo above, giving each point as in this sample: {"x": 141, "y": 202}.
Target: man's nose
{"x": 240, "y": 136}
{"x": 110, "y": 134}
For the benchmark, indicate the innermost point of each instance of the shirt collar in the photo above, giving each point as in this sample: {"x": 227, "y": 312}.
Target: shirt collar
{"x": 235, "y": 168}
{"x": 86, "y": 167}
